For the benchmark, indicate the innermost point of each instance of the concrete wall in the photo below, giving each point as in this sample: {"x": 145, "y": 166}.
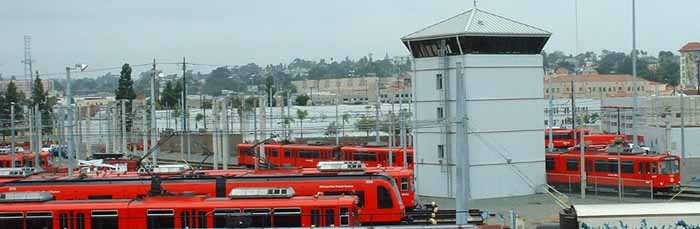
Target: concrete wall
{"x": 505, "y": 107}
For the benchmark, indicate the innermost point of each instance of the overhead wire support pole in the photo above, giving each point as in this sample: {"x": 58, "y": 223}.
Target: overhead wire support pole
{"x": 463, "y": 165}
{"x": 154, "y": 124}
{"x": 635, "y": 140}
{"x": 69, "y": 125}
{"x": 185, "y": 112}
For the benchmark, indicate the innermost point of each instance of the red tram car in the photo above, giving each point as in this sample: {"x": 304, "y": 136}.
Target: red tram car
{"x": 380, "y": 198}
{"x": 23, "y": 159}
{"x": 660, "y": 171}
{"x": 308, "y": 156}
{"x": 38, "y": 211}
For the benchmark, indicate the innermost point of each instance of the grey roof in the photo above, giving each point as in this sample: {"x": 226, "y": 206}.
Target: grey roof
{"x": 477, "y": 22}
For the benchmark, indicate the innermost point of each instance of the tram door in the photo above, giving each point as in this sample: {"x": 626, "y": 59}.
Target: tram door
{"x": 76, "y": 219}
{"x": 323, "y": 217}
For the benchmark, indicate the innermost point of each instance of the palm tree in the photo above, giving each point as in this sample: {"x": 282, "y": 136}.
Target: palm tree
{"x": 346, "y": 117}
{"x": 301, "y": 115}
{"x": 197, "y": 119}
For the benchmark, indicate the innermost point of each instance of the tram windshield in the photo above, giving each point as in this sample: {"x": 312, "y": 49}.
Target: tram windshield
{"x": 670, "y": 166}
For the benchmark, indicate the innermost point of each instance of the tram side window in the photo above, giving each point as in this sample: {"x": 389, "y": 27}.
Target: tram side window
{"x": 364, "y": 156}
{"x": 344, "y": 217}
{"x": 161, "y": 219}
{"x": 287, "y": 153}
{"x": 404, "y": 184}
{"x": 653, "y": 168}
{"x": 105, "y": 220}
{"x": 330, "y": 217}
{"x": 80, "y": 221}
{"x": 185, "y": 219}
{"x": 612, "y": 166}
{"x": 315, "y": 217}
{"x": 642, "y": 168}
{"x": 202, "y": 220}
{"x": 63, "y": 220}
{"x": 309, "y": 154}
{"x": 572, "y": 164}
{"x": 409, "y": 158}
{"x": 224, "y": 217}
{"x": 384, "y": 198}
{"x": 601, "y": 166}
{"x": 287, "y": 217}
{"x": 12, "y": 220}
{"x": 39, "y": 220}
{"x": 627, "y": 166}
{"x": 275, "y": 153}
{"x": 260, "y": 217}
{"x": 550, "y": 164}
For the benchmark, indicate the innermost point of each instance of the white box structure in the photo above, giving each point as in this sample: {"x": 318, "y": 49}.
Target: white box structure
{"x": 500, "y": 63}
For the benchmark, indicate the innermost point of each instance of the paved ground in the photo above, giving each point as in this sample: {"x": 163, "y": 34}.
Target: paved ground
{"x": 541, "y": 209}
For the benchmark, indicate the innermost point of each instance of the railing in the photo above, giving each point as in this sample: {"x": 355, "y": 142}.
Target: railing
{"x": 603, "y": 185}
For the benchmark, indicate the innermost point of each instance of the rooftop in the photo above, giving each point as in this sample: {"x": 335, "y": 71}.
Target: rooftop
{"x": 691, "y": 46}
{"x": 477, "y": 22}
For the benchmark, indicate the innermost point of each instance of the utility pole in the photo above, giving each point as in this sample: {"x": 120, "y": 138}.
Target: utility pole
{"x": 462, "y": 142}
{"x": 682, "y": 128}
{"x": 225, "y": 136}
{"x": 154, "y": 122}
{"x": 376, "y": 110}
{"x": 12, "y": 127}
{"x": 573, "y": 112}
{"x": 551, "y": 113}
{"x": 337, "y": 100}
{"x": 635, "y": 143}
{"x": 88, "y": 142}
{"x": 69, "y": 125}
{"x": 144, "y": 130}
{"x": 186, "y": 115}
{"x": 123, "y": 127}
{"x": 255, "y": 130}
{"x": 582, "y": 165}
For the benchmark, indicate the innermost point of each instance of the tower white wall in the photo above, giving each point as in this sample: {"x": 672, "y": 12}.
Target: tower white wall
{"x": 505, "y": 107}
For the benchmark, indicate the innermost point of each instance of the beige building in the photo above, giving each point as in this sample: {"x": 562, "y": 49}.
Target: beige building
{"x": 599, "y": 86}
{"x": 690, "y": 59}
{"x": 356, "y": 90}
{"x": 25, "y": 86}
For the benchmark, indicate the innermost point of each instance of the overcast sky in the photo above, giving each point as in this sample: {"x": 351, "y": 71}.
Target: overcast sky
{"x": 234, "y": 32}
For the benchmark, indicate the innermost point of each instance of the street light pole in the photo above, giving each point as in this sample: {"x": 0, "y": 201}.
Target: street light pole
{"x": 12, "y": 126}
{"x": 635, "y": 142}
{"x": 69, "y": 125}
{"x": 154, "y": 124}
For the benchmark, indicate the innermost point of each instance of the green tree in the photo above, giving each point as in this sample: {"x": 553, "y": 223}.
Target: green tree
{"x": 345, "y": 118}
{"x": 301, "y": 115}
{"x": 40, "y": 98}
{"x": 12, "y": 96}
{"x": 302, "y": 100}
{"x": 199, "y": 117}
{"x": 125, "y": 91}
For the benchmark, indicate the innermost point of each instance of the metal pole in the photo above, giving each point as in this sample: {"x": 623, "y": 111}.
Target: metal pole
{"x": 337, "y": 100}
{"x": 144, "y": 130}
{"x": 186, "y": 116}
{"x": 619, "y": 174}
{"x": 12, "y": 127}
{"x": 551, "y": 115}
{"x": 635, "y": 142}
{"x": 124, "y": 147}
{"x": 682, "y": 128}
{"x": 79, "y": 148}
{"x": 40, "y": 135}
{"x": 255, "y": 130}
{"x": 225, "y": 136}
{"x": 463, "y": 150}
{"x": 154, "y": 123}
{"x": 573, "y": 111}
{"x": 215, "y": 135}
{"x": 69, "y": 125}
{"x": 618, "y": 121}
{"x": 582, "y": 166}
{"x": 376, "y": 111}
{"x": 88, "y": 142}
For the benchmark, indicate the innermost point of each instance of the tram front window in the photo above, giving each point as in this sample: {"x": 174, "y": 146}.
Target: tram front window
{"x": 670, "y": 166}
